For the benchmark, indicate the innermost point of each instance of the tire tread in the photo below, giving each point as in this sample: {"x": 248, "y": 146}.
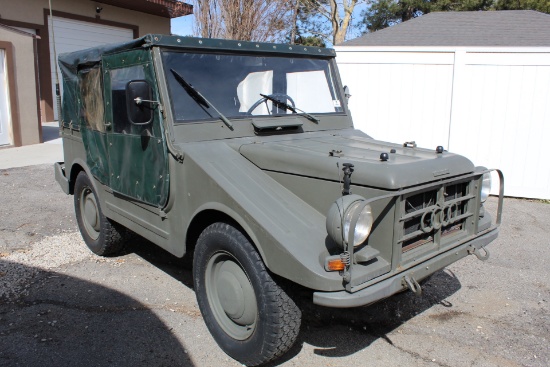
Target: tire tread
{"x": 112, "y": 236}
{"x": 283, "y": 323}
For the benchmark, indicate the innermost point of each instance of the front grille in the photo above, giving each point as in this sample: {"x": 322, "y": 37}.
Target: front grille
{"x": 434, "y": 215}
{"x": 452, "y": 194}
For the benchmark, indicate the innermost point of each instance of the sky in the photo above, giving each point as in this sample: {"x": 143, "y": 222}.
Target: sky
{"x": 183, "y": 26}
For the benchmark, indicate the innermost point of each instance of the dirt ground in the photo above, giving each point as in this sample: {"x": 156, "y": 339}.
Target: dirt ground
{"x": 62, "y": 306}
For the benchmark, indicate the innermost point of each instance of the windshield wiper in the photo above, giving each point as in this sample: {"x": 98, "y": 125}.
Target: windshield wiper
{"x": 199, "y": 98}
{"x": 289, "y": 107}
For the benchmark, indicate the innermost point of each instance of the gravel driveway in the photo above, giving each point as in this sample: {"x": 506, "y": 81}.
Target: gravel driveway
{"x": 62, "y": 306}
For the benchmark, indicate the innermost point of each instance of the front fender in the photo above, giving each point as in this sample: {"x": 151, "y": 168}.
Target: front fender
{"x": 219, "y": 207}
{"x": 289, "y": 234}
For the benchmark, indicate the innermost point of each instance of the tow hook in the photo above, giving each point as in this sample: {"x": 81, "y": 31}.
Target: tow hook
{"x": 413, "y": 285}
{"x": 479, "y": 255}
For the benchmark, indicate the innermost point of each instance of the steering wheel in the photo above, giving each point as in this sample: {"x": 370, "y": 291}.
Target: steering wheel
{"x": 279, "y": 96}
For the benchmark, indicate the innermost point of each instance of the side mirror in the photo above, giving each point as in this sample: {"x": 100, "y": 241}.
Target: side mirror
{"x": 346, "y": 93}
{"x": 138, "y": 102}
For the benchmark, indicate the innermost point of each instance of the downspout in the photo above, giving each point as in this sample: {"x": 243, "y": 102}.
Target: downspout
{"x": 37, "y": 78}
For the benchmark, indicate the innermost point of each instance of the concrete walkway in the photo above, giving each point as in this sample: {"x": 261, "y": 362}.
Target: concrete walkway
{"x": 48, "y": 152}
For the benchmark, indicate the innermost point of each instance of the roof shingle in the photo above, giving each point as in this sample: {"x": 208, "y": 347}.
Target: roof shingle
{"x": 506, "y": 28}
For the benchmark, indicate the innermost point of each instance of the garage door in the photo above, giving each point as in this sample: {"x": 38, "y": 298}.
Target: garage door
{"x": 4, "y": 102}
{"x": 73, "y": 35}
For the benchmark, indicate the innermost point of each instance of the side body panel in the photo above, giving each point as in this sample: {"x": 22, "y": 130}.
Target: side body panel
{"x": 289, "y": 234}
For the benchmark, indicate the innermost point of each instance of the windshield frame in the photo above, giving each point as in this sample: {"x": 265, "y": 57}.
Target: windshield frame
{"x": 332, "y": 82}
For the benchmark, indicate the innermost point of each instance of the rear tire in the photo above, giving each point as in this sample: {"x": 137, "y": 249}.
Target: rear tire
{"x": 101, "y": 235}
{"x": 251, "y": 318}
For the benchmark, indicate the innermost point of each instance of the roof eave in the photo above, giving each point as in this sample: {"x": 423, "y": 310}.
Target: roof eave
{"x": 162, "y": 8}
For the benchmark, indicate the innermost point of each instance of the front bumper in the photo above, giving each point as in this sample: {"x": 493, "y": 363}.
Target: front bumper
{"x": 396, "y": 283}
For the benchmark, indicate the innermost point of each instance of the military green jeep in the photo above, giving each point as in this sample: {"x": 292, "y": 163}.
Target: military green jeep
{"x": 244, "y": 155}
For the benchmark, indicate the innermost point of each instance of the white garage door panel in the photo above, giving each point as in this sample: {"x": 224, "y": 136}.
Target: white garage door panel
{"x": 419, "y": 58}
{"x": 401, "y": 102}
{"x": 73, "y": 35}
{"x": 508, "y": 59}
{"x": 504, "y": 124}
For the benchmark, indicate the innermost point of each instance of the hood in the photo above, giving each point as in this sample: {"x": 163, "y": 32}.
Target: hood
{"x": 322, "y": 155}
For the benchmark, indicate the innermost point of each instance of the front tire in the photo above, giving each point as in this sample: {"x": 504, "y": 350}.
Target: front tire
{"x": 251, "y": 318}
{"x": 101, "y": 235}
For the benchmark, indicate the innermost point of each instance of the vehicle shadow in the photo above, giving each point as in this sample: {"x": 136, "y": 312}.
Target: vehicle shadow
{"x": 333, "y": 332}
{"x": 177, "y": 268}
{"x": 342, "y": 332}
{"x": 52, "y": 319}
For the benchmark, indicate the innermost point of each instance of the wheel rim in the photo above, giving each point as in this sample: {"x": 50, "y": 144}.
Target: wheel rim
{"x": 89, "y": 212}
{"x": 231, "y": 296}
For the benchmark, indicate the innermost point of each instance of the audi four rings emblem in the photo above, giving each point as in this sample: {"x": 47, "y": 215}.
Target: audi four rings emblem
{"x": 439, "y": 216}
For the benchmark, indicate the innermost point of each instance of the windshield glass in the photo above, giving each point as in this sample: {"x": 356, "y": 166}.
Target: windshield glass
{"x": 234, "y": 84}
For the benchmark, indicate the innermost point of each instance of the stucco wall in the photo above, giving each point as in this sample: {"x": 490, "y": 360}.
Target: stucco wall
{"x": 32, "y": 11}
{"x": 25, "y": 120}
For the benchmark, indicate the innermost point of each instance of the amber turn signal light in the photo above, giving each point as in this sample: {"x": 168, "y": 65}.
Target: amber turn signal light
{"x": 335, "y": 265}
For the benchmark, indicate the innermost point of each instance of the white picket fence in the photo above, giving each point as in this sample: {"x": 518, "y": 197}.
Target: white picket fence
{"x": 490, "y": 104}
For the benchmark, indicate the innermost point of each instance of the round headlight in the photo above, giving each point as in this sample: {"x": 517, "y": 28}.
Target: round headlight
{"x": 364, "y": 223}
{"x": 340, "y": 216}
{"x": 485, "y": 186}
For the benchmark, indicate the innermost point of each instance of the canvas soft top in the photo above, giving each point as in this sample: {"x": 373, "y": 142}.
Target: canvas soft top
{"x": 71, "y": 62}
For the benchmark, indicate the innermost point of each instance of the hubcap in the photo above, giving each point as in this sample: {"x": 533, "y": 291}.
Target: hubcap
{"x": 231, "y": 296}
{"x": 90, "y": 213}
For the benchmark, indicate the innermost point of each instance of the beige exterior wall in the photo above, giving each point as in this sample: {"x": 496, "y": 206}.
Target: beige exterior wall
{"x": 32, "y": 11}
{"x": 25, "y": 124}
